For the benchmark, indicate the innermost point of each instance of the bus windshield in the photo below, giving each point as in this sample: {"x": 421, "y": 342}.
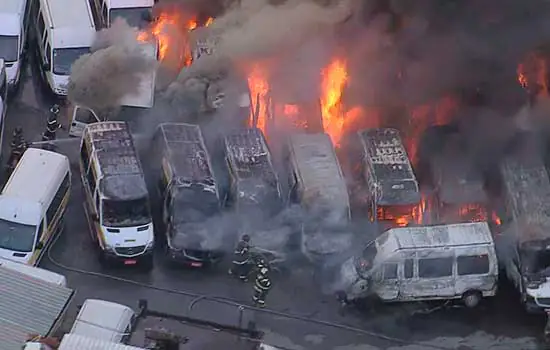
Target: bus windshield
{"x": 127, "y": 213}
{"x": 9, "y": 45}
{"x": 192, "y": 205}
{"x": 17, "y": 237}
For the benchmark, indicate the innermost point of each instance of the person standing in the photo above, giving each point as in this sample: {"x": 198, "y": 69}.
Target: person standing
{"x": 241, "y": 259}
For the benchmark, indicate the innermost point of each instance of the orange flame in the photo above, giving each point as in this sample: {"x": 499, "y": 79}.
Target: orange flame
{"x": 533, "y": 72}
{"x": 496, "y": 219}
{"x": 259, "y": 89}
{"x": 334, "y": 79}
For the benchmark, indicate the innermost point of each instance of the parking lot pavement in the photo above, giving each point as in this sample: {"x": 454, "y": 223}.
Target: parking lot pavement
{"x": 497, "y": 324}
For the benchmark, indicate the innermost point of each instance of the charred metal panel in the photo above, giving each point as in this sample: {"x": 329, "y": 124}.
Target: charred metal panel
{"x": 121, "y": 176}
{"x": 184, "y": 149}
{"x": 250, "y": 166}
{"x": 388, "y": 170}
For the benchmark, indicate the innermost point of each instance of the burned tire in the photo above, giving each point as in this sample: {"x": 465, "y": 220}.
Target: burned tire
{"x": 471, "y": 299}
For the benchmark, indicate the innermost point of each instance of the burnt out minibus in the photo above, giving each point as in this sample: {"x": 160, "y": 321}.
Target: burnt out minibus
{"x": 392, "y": 193}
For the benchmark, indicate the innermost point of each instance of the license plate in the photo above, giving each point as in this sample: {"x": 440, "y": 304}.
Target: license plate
{"x": 130, "y": 262}
{"x": 196, "y": 264}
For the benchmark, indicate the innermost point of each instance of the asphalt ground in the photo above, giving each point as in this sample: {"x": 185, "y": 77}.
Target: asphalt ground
{"x": 299, "y": 315}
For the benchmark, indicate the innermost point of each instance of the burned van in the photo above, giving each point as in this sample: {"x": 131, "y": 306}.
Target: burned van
{"x": 254, "y": 185}
{"x": 317, "y": 184}
{"x": 392, "y": 193}
{"x": 524, "y": 246}
{"x": 459, "y": 188}
{"x": 189, "y": 194}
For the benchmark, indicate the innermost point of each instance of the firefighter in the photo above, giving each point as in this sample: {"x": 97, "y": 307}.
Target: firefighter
{"x": 18, "y": 146}
{"x": 53, "y": 125}
{"x": 241, "y": 259}
{"x": 262, "y": 284}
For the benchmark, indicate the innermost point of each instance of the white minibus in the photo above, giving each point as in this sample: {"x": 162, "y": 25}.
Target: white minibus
{"x": 14, "y": 24}
{"x": 33, "y": 204}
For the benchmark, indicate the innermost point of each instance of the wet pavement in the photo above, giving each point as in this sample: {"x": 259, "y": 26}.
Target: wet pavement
{"x": 299, "y": 316}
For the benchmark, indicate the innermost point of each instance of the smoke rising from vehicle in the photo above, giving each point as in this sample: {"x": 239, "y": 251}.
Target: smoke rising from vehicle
{"x": 112, "y": 70}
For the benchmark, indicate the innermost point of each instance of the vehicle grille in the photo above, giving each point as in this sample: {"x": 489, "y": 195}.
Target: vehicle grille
{"x": 543, "y": 301}
{"x": 130, "y": 250}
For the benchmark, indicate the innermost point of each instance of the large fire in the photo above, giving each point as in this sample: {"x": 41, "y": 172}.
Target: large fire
{"x": 165, "y": 29}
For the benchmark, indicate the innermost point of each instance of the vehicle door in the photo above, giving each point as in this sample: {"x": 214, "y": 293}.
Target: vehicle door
{"x": 104, "y": 17}
{"x": 386, "y": 281}
{"x": 38, "y": 244}
{"x": 435, "y": 274}
{"x": 408, "y": 278}
{"x": 80, "y": 117}
{"x": 473, "y": 271}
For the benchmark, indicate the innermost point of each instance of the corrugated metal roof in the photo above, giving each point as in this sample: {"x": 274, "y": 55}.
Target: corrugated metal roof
{"x": 28, "y": 306}
{"x": 80, "y": 342}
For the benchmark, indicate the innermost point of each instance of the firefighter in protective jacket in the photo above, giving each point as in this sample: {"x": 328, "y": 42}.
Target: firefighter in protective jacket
{"x": 18, "y": 146}
{"x": 53, "y": 125}
{"x": 262, "y": 284}
{"x": 241, "y": 259}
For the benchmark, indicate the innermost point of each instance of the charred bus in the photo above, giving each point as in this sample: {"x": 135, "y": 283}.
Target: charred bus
{"x": 459, "y": 188}
{"x": 254, "y": 183}
{"x": 317, "y": 183}
{"x": 392, "y": 193}
{"x": 189, "y": 194}
{"x": 524, "y": 245}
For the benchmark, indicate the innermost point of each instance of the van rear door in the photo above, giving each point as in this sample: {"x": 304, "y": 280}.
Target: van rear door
{"x": 80, "y": 117}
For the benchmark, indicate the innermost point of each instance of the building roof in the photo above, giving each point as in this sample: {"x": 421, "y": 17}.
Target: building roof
{"x": 249, "y": 156}
{"x": 319, "y": 171}
{"x": 415, "y": 237}
{"x": 388, "y": 167}
{"x": 80, "y": 342}
{"x": 118, "y": 161}
{"x": 186, "y": 152}
{"x": 28, "y": 306}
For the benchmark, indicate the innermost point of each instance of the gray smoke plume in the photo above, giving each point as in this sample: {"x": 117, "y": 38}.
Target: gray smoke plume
{"x": 112, "y": 70}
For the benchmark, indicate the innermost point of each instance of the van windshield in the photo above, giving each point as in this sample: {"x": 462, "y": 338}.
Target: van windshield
{"x": 9, "y": 47}
{"x": 365, "y": 262}
{"x": 193, "y": 205}
{"x": 136, "y": 17}
{"x": 126, "y": 213}
{"x": 63, "y": 59}
{"x": 16, "y": 237}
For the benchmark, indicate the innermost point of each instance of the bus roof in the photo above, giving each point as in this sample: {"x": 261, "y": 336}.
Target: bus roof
{"x": 184, "y": 148}
{"x": 319, "y": 171}
{"x": 37, "y": 176}
{"x": 80, "y": 10}
{"x": 249, "y": 155}
{"x": 389, "y": 167}
{"x": 439, "y": 236}
{"x": 527, "y": 186}
{"x": 117, "y": 159}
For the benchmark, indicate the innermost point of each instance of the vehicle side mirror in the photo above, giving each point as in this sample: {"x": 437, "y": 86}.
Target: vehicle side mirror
{"x": 39, "y": 245}
{"x": 95, "y": 217}
{"x": 46, "y": 66}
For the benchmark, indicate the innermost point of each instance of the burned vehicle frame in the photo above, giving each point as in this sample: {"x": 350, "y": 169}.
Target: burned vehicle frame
{"x": 189, "y": 194}
{"x": 254, "y": 185}
{"x": 525, "y": 231}
{"x": 382, "y": 165}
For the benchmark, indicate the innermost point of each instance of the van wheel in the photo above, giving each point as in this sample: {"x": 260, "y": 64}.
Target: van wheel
{"x": 471, "y": 298}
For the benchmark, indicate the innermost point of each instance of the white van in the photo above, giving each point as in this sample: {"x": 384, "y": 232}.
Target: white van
{"x": 117, "y": 200}
{"x": 33, "y": 204}
{"x": 425, "y": 263}
{"x": 14, "y": 24}
{"x": 64, "y": 31}
{"x": 137, "y": 13}
{"x": 35, "y": 272}
{"x": 104, "y": 320}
